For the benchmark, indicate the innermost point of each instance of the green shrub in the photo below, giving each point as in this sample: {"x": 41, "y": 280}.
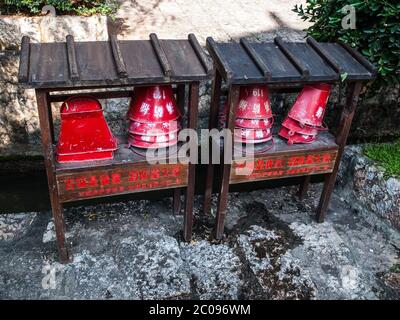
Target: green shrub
{"x": 79, "y": 7}
{"x": 388, "y": 156}
{"x": 377, "y": 33}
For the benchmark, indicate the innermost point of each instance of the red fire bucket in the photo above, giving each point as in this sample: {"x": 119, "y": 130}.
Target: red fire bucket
{"x": 154, "y": 129}
{"x": 254, "y": 103}
{"x": 309, "y": 107}
{"x": 154, "y": 139}
{"x": 153, "y": 104}
{"x": 252, "y": 134}
{"x": 150, "y": 145}
{"x": 296, "y": 137}
{"x": 84, "y": 133}
{"x": 254, "y": 123}
{"x": 241, "y": 140}
{"x": 294, "y": 127}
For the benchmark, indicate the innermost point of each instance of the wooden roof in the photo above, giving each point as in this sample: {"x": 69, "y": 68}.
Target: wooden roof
{"x": 73, "y": 64}
{"x": 279, "y": 61}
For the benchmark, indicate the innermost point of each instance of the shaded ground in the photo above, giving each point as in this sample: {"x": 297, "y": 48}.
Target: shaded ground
{"x": 273, "y": 249}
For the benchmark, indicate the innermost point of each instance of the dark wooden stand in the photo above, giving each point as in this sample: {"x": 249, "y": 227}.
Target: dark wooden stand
{"x": 284, "y": 67}
{"x": 109, "y": 67}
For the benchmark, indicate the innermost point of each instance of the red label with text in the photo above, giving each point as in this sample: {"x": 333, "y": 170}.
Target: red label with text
{"x": 99, "y": 183}
{"x": 282, "y": 167}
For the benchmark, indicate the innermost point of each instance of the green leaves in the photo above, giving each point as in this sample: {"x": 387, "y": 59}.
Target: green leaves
{"x": 80, "y": 7}
{"x": 343, "y": 76}
{"x": 377, "y": 33}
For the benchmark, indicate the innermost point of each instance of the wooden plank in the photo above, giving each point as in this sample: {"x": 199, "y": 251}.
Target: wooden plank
{"x": 347, "y": 115}
{"x": 189, "y": 198}
{"x": 98, "y": 95}
{"x": 92, "y": 64}
{"x": 182, "y": 59}
{"x": 241, "y": 63}
{"x": 48, "y": 65}
{"x": 219, "y": 59}
{"x": 141, "y": 61}
{"x": 212, "y": 124}
{"x": 353, "y": 69}
{"x": 48, "y": 154}
{"x": 122, "y": 179}
{"x": 281, "y": 68}
{"x": 109, "y": 94}
{"x": 122, "y": 156}
{"x": 161, "y": 56}
{"x": 201, "y": 55}
{"x": 71, "y": 55}
{"x": 95, "y": 61}
{"x": 293, "y": 59}
{"x": 324, "y": 54}
{"x": 317, "y": 66}
{"x": 177, "y": 201}
{"x": 180, "y": 98}
{"x": 288, "y": 165}
{"x": 118, "y": 58}
{"x": 360, "y": 58}
{"x": 233, "y": 100}
{"x": 256, "y": 58}
{"x": 303, "y": 188}
{"x": 23, "y": 73}
{"x": 324, "y": 142}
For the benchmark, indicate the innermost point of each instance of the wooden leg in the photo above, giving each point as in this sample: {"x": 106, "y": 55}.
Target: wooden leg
{"x": 208, "y": 189}
{"x": 177, "y": 201}
{"x": 341, "y": 138}
{"x": 180, "y": 97}
{"x": 325, "y": 196}
{"x": 47, "y": 144}
{"x": 222, "y": 202}
{"x": 192, "y": 112}
{"x": 181, "y": 105}
{"x": 213, "y": 121}
{"x": 233, "y": 100}
{"x": 51, "y": 123}
{"x": 304, "y": 187}
{"x": 59, "y": 224}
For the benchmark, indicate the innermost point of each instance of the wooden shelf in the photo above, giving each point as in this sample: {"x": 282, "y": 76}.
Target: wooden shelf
{"x": 284, "y": 161}
{"x": 102, "y": 65}
{"x": 324, "y": 142}
{"x": 127, "y": 172}
{"x": 284, "y": 66}
{"x": 91, "y": 64}
{"x": 122, "y": 156}
{"x": 280, "y": 62}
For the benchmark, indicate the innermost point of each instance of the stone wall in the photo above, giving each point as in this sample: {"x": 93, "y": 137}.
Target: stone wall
{"x": 19, "y": 123}
{"x": 365, "y": 185}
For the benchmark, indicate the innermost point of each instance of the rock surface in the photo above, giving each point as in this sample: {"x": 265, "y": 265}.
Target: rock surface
{"x": 365, "y": 181}
{"x": 272, "y": 249}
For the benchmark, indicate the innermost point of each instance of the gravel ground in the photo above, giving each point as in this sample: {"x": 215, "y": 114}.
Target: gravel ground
{"x": 272, "y": 249}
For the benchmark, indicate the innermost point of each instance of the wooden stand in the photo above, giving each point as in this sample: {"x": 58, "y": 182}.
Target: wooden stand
{"x": 51, "y": 68}
{"x": 284, "y": 66}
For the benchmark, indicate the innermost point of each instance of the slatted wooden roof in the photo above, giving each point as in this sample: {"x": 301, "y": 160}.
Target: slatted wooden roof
{"x": 73, "y": 64}
{"x": 279, "y": 61}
